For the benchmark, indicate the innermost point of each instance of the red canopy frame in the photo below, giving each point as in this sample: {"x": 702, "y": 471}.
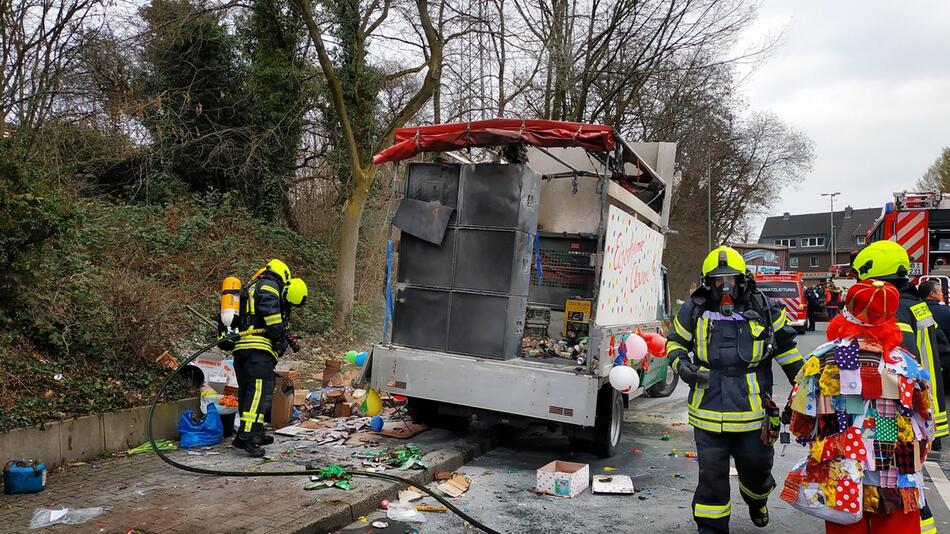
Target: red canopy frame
{"x": 409, "y": 142}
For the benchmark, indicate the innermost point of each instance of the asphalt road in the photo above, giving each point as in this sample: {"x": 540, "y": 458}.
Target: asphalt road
{"x": 502, "y": 481}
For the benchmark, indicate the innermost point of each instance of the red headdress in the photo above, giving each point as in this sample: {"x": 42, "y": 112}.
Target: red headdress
{"x": 870, "y": 314}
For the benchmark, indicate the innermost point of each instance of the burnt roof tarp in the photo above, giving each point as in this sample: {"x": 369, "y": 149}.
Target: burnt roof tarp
{"x": 543, "y": 133}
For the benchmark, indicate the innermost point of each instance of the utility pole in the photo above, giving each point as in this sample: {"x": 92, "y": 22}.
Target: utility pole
{"x": 834, "y": 251}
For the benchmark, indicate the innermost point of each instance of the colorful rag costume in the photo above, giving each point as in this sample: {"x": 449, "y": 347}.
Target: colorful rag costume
{"x": 862, "y": 407}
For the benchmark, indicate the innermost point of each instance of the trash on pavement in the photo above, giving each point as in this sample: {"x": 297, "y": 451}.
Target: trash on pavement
{"x": 563, "y": 479}
{"x": 44, "y": 517}
{"x": 442, "y": 475}
{"x": 633, "y": 451}
{"x": 163, "y": 445}
{"x": 402, "y": 511}
{"x": 608, "y": 468}
{"x": 410, "y": 495}
{"x": 331, "y": 476}
{"x": 401, "y": 429}
{"x": 666, "y": 437}
{"x": 405, "y": 457}
{"x": 427, "y": 508}
{"x": 24, "y": 476}
{"x": 200, "y": 430}
{"x": 733, "y": 472}
{"x": 612, "y": 484}
{"x": 456, "y": 485}
{"x": 380, "y": 524}
{"x": 679, "y": 475}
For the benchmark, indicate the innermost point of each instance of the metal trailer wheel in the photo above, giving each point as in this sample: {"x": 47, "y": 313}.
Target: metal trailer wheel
{"x": 608, "y": 425}
{"x": 664, "y": 389}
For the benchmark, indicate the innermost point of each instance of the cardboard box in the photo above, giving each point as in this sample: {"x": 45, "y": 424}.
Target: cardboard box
{"x": 564, "y": 479}
{"x": 282, "y": 407}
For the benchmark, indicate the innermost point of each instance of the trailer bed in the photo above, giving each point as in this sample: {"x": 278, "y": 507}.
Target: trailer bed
{"x": 539, "y": 389}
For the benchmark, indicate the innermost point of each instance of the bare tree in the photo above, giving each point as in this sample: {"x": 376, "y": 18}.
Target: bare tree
{"x": 360, "y": 148}
{"x": 937, "y": 177}
{"x": 40, "y": 41}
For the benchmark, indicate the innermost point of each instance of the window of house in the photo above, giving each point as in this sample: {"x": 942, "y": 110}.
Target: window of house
{"x": 793, "y": 262}
{"x": 814, "y": 261}
{"x": 859, "y": 240}
{"x": 813, "y": 242}
{"x": 787, "y": 242}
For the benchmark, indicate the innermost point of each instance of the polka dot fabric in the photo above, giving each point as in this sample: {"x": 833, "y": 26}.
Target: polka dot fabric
{"x": 852, "y": 445}
{"x": 847, "y": 496}
{"x": 846, "y": 356}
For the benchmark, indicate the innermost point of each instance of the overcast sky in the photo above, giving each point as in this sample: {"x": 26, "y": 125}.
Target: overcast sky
{"x": 869, "y": 82}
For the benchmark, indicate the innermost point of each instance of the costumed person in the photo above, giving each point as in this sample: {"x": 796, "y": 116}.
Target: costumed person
{"x": 862, "y": 406}
{"x": 722, "y": 344}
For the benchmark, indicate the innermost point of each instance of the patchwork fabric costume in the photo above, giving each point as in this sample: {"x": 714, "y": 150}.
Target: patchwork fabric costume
{"x": 862, "y": 408}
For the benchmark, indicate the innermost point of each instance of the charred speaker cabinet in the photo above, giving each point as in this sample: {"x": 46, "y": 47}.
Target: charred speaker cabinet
{"x": 468, "y": 294}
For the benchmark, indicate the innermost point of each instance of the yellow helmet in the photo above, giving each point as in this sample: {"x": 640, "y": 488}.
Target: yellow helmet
{"x": 280, "y": 269}
{"x": 724, "y": 261}
{"x": 297, "y": 291}
{"x": 881, "y": 259}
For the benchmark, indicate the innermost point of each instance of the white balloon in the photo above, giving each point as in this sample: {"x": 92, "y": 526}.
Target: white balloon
{"x": 624, "y": 378}
{"x": 636, "y": 348}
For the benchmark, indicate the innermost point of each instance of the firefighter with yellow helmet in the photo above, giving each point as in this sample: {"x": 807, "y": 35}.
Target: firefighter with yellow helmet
{"x": 888, "y": 261}
{"x": 265, "y": 305}
{"x": 722, "y": 344}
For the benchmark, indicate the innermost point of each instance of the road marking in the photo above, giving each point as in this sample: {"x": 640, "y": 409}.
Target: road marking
{"x": 940, "y": 481}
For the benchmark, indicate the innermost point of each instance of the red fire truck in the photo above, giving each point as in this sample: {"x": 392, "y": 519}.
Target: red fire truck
{"x": 920, "y": 222}
{"x": 786, "y": 288}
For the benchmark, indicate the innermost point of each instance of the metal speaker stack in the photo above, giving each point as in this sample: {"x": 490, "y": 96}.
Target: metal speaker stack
{"x": 468, "y": 295}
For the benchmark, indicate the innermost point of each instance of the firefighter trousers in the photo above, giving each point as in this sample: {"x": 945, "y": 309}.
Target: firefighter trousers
{"x": 712, "y": 504}
{"x": 255, "y": 376}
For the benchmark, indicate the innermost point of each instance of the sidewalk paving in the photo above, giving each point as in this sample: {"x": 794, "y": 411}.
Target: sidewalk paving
{"x": 142, "y": 492}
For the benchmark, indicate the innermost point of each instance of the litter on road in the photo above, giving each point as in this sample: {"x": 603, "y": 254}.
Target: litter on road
{"x": 616, "y": 484}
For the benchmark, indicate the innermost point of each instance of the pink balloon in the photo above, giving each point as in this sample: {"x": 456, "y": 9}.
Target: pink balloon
{"x": 636, "y": 348}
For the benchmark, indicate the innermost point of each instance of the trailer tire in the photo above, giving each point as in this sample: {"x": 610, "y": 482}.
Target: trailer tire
{"x": 664, "y": 389}
{"x": 608, "y": 424}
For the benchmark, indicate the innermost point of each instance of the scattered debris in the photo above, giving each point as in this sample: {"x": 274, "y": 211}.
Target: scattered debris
{"x": 633, "y": 451}
{"x": 443, "y": 475}
{"x": 405, "y": 457}
{"x": 410, "y": 495}
{"x": 666, "y": 437}
{"x": 163, "y": 445}
{"x": 621, "y": 484}
{"x": 733, "y": 472}
{"x": 608, "y": 468}
{"x": 679, "y": 475}
{"x": 427, "y": 508}
{"x": 44, "y": 517}
{"x": 456, "y": 485}
{"x": 564, "y": 479}
{"x": 380, "y": 524}
{"x": 331, "y": 476}
{"x": 679, "y": 424}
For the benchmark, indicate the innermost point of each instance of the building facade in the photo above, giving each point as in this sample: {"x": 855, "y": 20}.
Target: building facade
{"x": 808, "y": 237}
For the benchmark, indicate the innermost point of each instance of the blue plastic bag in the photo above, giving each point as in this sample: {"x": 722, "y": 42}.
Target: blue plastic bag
{"x": 208, "y": 431}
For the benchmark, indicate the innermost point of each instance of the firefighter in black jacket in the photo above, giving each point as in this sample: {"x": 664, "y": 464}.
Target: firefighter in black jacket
{"x": 888, "y": 261}
{"x": 267, "y": 307}
{"x": 733, "y": 333}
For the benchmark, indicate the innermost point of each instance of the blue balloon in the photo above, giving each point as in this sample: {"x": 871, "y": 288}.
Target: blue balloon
{"x": 361, "y": 359}
{"x": 376, "y": 423}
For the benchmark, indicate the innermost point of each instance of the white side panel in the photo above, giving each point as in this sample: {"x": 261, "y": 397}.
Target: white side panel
{"x": 631, "y": 280}
{"x": 516, "y": 387}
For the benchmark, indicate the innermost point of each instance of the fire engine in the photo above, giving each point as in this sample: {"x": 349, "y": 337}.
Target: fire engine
{"x": 920, "y": 222}
{"x": 785, "y": 288}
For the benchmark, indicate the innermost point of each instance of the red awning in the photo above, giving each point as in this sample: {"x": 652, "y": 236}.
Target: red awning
{"x": 544, "y": 133}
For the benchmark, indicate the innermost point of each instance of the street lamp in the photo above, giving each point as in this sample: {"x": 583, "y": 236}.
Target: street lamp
{"x": 834, "y": 251}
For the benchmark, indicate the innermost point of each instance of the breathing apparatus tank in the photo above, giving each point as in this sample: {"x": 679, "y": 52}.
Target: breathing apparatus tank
{"x": 230, "y": 303}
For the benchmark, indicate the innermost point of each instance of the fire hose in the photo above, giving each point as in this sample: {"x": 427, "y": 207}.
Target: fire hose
{"x": 298, "y": 472}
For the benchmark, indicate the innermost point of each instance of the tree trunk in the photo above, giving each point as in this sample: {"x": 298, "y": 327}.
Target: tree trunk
{"x": 349, "y": 242}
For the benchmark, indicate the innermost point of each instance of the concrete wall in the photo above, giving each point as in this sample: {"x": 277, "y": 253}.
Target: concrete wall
{"x": 85, "y": 438}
